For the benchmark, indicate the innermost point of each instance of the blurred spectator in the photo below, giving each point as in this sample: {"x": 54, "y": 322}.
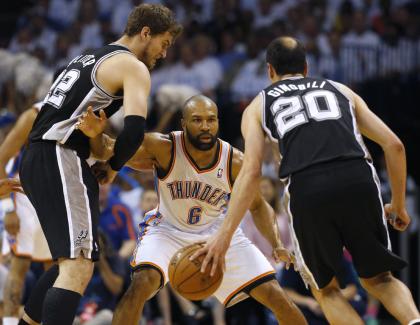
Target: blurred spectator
{"x": 91, "y": 30}
{"x": 207, "y": 66}
{"x": 229, "y": 52}
{"x": 63, "y": 12}
{"x": 120, "y": 14}
{"x": 116, "y": 222}
{"x": 359, "y": 49}
{"x": 43, "y": 36}
{"x": 149, "y": 201}
{"x": 22, "y": 41}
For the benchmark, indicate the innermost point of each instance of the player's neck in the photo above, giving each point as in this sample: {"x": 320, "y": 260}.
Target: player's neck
{"x": 285, "y": 76}
{"x": 202, "y": 158}
{"x": 129, "y": 43}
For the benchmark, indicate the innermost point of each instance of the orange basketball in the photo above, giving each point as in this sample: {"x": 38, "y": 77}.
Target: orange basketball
{"x": 185, "y": 276}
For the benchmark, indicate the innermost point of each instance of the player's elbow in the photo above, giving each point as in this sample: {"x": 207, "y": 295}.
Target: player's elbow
{"x": 395, "y": 146}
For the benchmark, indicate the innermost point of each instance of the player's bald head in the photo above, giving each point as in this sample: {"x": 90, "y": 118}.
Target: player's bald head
{"x": 287, "y": 55}
{"x": 197, "y": 103}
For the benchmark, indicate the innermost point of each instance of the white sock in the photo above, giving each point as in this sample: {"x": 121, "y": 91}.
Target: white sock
{"x": 10, "y": 321}
{"x": 412, "y": 322}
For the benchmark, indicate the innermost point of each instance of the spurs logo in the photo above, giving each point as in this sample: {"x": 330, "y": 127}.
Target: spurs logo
{"x": 83, "y": 234}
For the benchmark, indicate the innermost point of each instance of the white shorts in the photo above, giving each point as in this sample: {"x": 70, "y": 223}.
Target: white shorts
{"x": 246, "y": 266}
{"x": 30, "y": 241}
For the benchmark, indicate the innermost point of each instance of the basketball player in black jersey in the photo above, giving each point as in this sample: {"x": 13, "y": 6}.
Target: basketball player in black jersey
{"x": 332, "y": 190}
{"x": 55, "y": 173}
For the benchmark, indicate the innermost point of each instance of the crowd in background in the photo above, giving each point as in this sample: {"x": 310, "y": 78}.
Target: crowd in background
{"x": 371, "y": 45}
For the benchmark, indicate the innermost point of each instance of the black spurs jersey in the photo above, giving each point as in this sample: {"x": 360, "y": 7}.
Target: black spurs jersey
{"x": 71, "y": 93}
{"x": 312, "y": 121}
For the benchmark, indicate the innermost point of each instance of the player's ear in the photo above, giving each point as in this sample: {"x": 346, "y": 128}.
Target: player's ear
{"x": 183, "y": 123}
{"x": 270, "y": 70}
{"x": 145, "y": 33}
{"x": 305, "y": 70}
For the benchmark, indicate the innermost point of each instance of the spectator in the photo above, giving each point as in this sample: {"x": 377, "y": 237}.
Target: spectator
{"x": 359, "y": 49}
{"x": 149, "y": 201}
{"x": 207, "y": 67}
{"x": 62, "y": 13}
{"x": 117, "y": 223}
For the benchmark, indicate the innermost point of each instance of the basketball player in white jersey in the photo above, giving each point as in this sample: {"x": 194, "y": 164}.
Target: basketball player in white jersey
{"x": 23, "y": 236}
{"x": 195, "y": 172}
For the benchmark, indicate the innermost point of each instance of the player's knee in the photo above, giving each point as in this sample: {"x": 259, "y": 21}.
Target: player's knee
{"x": 330, "y": 289}
{"x": 146, "y": 282}
{"x": 379, "y": 279}
{"x": 270, "y": 293}
{"x": 80, "y": 269}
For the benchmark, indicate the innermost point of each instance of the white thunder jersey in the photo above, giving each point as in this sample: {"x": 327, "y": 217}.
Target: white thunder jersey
{"x": 191, "y": 208}
{"x": 193, "y": 199}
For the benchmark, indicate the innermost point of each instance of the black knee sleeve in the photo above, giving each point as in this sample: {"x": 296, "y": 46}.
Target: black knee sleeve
{"x": 33, "y": 307}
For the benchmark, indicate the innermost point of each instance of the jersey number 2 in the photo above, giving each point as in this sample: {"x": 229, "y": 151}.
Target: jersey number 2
{"x": 290, "y": 112}
{"x": 61, "y": 86}
{"x": 194, "y": 215}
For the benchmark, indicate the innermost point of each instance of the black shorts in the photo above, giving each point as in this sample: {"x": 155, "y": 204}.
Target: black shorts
{"x": 336, "y": 205}
{"x": 65, "y": 195}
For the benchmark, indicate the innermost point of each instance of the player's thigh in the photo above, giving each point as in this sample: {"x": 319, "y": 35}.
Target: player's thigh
{"x": 246, "y": 268}
{"x": 154, "y": 250}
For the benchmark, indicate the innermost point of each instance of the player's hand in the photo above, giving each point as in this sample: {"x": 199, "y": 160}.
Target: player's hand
{"x": 215, "y": 249}
{"x": 11, "y": 223}
{"x": 9, "y": 185}
{"x": 397, "y": 217}
{"x": 281, "y": 254}
{"x": 91, "y": 124}
{"x": 104, "y": 173}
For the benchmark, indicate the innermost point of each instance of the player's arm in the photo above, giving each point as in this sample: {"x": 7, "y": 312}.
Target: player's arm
{"x": 154, "y": 150}
{"x": 136, "y": 86}
{"x": 262, "y": 213}
{"x": 125, "y": 72}
{"x": 16, "y": 138}
{"x": 375, "y": 129}
{"x": 14, "y": 141}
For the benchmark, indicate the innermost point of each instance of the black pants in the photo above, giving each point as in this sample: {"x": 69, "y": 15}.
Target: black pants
{"x": 65, "y": 195}
{"x": 336, "y": 205}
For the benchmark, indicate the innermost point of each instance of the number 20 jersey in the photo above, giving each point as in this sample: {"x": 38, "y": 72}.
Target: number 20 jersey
{"x": 312, "y": 121}
{"x": 74, "y": 90}
{"x": 193, "y": 199}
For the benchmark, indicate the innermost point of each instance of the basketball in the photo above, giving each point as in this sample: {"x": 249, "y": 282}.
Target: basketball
{"x": 185, "y": 276}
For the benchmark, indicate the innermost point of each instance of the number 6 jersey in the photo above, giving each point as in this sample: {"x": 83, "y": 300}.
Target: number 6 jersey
{"x": 312, "y": 121}
{"x": 75, "y": 89}
{"x": 193, "y": 199}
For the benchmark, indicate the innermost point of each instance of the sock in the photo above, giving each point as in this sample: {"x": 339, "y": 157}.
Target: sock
{"x": 413, "y": 322}
{"x": 33, "y": 307}
{"x": 10, "y": 321}
{"x": 22, "y": 322}
{"x": 60, "y": 306}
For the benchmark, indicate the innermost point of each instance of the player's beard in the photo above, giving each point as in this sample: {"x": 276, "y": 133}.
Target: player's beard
{"x": 147, "y": 58}
{"x": 203, "y": 146}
